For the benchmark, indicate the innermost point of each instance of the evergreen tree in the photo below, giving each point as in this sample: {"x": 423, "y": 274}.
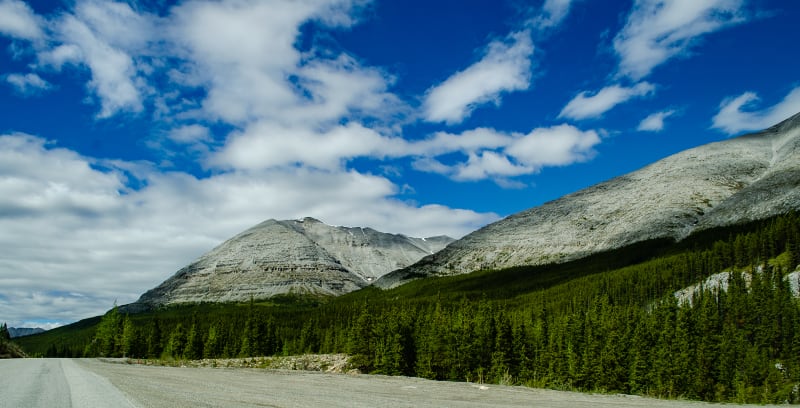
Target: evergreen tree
{"x": 131, "y": 343}
{"x": 4, "y": 333}
{"x": 212, "y": 343}
{"x": 107, "y": 341}
{"x": 154, "y": 347}
{"x": 194, "y": 343}
{"x": 177, "y": 342}
{"x": 361, "y": 344}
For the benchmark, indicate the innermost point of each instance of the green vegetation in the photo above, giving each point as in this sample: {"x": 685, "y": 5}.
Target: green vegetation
{"x": 609, "y": 323}
{"x": 7, "y": 348}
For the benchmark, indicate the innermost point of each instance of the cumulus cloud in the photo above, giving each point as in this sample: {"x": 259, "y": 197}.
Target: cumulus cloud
{"x": 28, "y": 84}
{"x": 269, "y": 145}
{"x": 737, "y": 115}
{"x": 189, "y": 134}
{"x": 553, "y": 13}
{"x": 658, "y": 30}
{"x": 504, "y": 155}
{"x": 505, "y": 67}
{"x": 250, "y": 69}
{"x": 107, "y": 38}
{"x": 654, "y": 122}
{"x": 585, "y": 105}
{"x": 555, "y": 146}
{"x": 17, "y": 20}
{"x": 76, "y": 238}
{"x": 465, "y": 142}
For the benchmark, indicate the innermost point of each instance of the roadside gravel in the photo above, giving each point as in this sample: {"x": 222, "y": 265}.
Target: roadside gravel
{"x": 236, "y": 387}
{"x": 88, "y": 383}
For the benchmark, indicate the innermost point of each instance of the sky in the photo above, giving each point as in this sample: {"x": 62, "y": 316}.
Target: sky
{"x": 136, "y": 136}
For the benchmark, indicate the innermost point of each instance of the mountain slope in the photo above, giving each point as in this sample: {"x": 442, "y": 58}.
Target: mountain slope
{"x": 24, "y": 331}
{"x": 295, "y": 256}
{"x": 724, "y": 183}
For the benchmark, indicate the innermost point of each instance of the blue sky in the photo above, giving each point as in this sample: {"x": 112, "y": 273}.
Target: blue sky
{"x": 136, "y": 136}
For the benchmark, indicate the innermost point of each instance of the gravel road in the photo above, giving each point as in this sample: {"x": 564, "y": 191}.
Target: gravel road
{"x": 93, "y": 383}
{"x": 56, "y": 383}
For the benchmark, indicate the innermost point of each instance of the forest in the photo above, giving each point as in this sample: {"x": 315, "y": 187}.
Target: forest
{"x": 607, "y": 323}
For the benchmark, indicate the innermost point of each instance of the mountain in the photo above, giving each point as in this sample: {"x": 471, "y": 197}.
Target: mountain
{"x": 23, "y": 331}
{"x": 719, "y": 184}
{"x": 295, "y": 256}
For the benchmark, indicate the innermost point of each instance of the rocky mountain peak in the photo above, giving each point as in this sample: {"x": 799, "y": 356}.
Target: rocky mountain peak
{"x": 304, "y": 256}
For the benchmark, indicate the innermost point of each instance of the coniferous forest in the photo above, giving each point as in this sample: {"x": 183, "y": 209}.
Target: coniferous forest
{"x": 608, "y": 323}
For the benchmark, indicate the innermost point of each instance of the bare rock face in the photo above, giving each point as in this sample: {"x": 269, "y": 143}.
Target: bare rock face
{"x": 738, "y": 180}
{"x": 296, "y": 256}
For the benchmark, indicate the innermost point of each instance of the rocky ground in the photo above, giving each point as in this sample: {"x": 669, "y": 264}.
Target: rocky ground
{"x": 329, "y": 363}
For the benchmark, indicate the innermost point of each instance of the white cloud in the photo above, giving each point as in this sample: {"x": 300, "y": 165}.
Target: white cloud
{"x": 658, "y": 30}
{"x": 585, "y": 106}
{"x": 553, "y": 13}
{"x": 465, "y": 142}
{"x": 497, "y": 156}
{"x": 17, "y": 20}
{"x": 75, "y": 238}
{"x": 504, "y": 68}
{"x": 489, "y": 164}
{"x": 244, "y": 65}
{"x": 106, "y": 38}
{"x": 654, "y": 122}
{"x": 735, "y": 114}
{"x": 61, "y": 55}
{"x": 268, "y": 145}
{"x": 28, "y": 84}
{"x": 554, "y": 146}
{"x": 190, "y": 134}
{"x": 250, "y": 70}
{"x": 340, "y": 87}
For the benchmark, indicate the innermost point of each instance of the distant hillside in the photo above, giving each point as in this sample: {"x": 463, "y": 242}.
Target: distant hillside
{"x": 23, "y": 331}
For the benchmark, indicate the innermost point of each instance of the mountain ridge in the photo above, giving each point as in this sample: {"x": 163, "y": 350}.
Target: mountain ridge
{"x": 737, "y": 180}
{"x": 275, "y": 257}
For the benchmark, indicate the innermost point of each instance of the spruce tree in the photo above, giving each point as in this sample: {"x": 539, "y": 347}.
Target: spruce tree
{"x": 177, "y": 342}
{"x": 211, "y": 345}
{"x": 4, "y": 333}
{"x": 154, "y": 347}
{"x": 107, "y": 341}
{"x": 361, "y": 344}
{"x": 194, "y": 343}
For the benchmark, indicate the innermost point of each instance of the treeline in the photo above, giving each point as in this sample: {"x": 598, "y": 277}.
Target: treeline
{"x": 619, "y": 330}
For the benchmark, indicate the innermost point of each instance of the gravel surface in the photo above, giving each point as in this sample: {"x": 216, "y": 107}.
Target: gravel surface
{"x": 94, "y": 383}
{"x": 55, "y": 383}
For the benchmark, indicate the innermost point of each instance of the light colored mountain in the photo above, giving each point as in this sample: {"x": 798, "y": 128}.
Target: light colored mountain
{"x": 296, "y": 256}
{"x": 734, "y": 181}
{"x": 23, "y": 331}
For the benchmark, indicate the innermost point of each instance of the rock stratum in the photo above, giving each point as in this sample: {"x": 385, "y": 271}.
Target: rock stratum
{"x": 725, "y": 183}
{"x": 289, "y": 257}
